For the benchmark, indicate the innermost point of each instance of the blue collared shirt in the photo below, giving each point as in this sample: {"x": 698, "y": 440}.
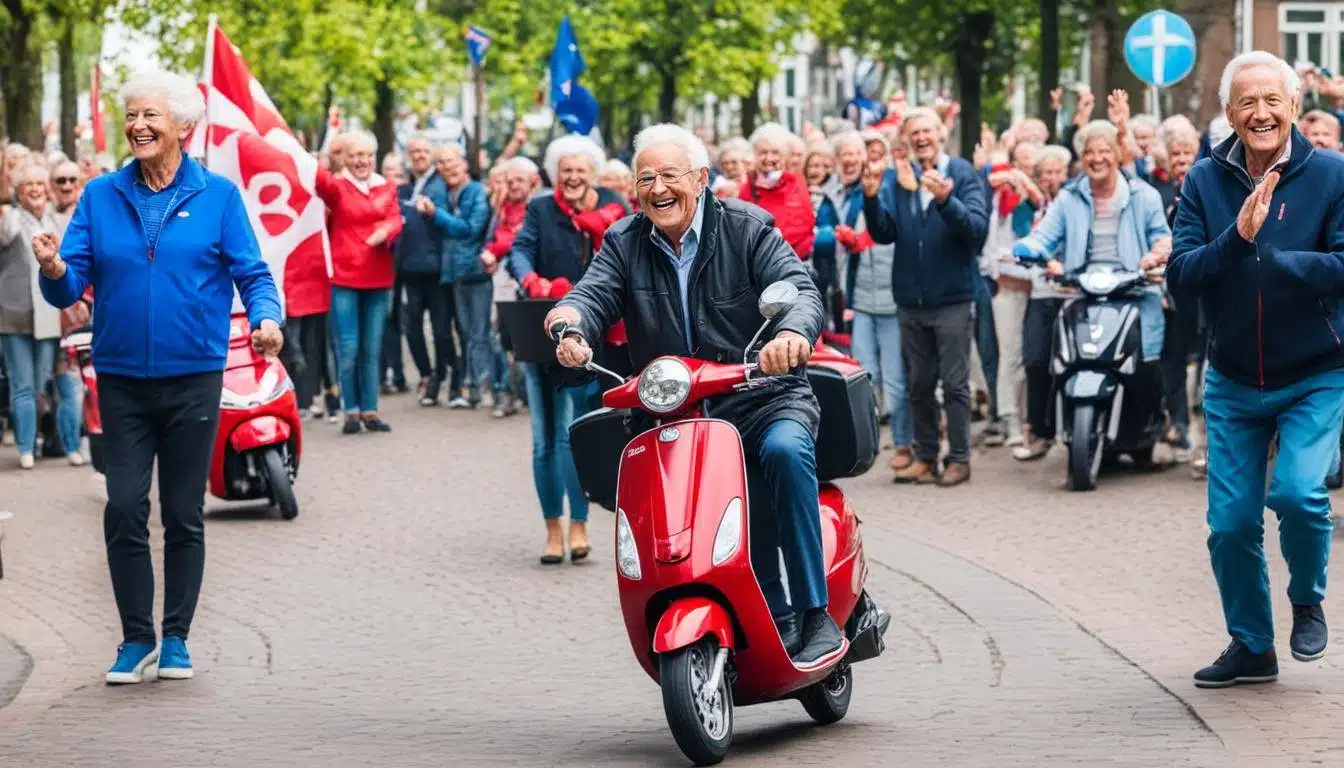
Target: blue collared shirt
{"x": 690, "y": 246}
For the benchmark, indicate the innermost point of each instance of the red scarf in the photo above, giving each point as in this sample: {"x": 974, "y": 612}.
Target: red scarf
{"x": 593, "y": 223}
{"x": 1007, "y": 197}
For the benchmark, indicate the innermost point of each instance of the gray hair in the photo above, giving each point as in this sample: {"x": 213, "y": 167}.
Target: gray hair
{"x": 1052, "y": 153}
{"x": 15, "y": 149}
{"x": 30, "y": 173}
{"x": 771, "y": 132}
{"x": 1292, "y": 84}
{"x": 1097, "y": 129}
{"x": 668, "y": 133}
{"x": 1143, "y": 121}
{"x": 359, "y": 139}
{"x": 738, "y": 146}
{"x": 847, "y": 137}
{"x": 1175, "y": 125}
{"x": 873, "y": 136}
{"x": 614, "y": 166}
{"x": 423, "y": 138}
{"x": 184, "y": 99}
{"x": 921, "y": 113}
{"x": 571, "y": 146}
{"x": 523, "y": 164}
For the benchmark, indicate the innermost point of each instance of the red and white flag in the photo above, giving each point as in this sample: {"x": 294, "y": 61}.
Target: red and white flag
{"x": 246, "y": 140}
{"x": 96, "y": 110}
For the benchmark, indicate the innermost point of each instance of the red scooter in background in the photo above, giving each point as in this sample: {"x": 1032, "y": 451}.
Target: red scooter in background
{"x": 259, "y": 441}
{"x": 78, "y": 349}
{"x": 697, "y": 619}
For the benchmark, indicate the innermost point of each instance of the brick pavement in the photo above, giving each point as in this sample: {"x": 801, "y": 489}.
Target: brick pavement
{"x": 402, "y": 620}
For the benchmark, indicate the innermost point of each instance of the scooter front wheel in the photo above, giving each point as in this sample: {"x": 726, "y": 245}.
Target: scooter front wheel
{"x": 1087, "y": 442}
{"x": 701, "y": 719}
{"x": 277, "y": 479}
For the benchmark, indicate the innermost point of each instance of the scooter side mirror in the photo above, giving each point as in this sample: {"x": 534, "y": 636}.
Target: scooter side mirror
{"x": 776, "y": 298}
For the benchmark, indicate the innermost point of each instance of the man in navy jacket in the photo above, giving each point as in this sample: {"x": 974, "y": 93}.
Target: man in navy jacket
{"x": 1259, "y": 239}
{"x": 938, "y": 230}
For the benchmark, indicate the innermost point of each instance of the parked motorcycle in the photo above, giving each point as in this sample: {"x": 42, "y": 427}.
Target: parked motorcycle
{"x": 259, "y": 441}
{"x": 695, "y": 614}
{"x": 1108, "y": 401}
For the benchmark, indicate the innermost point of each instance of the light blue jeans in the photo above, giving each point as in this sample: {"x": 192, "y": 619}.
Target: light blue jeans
{"x": 1241, "y": 421}
{"x": 474, "y": 301}
{"x": 553, "y": 471}
{"x": 69, "y": 409}
{"x": 29, "y": 363}
{"x": 877, "y": 346}
{"x": 359, "y": 317}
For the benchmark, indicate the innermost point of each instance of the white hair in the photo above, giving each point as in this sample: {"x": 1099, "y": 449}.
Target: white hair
{"x": 771, "y": 132}
{"x": 359, "y": 139}
{"x": 1097, "y": 129}
{"x": 31, "y": 173}
{"x": 184, "y": 99}
{"x": 1143, "y": 121}
{"x": 1051, "y": 154}
{"x": 739, "y": 146}
{"x": 871, "y": 136}
{"x": 847, "y": 137}
{"x": 15, "y": 149}
{"x": 616, "y": 167}
{"x": 523, "y": 164}
{"x": 668, "y": 133}
{"x": 572, "y": 145}
{"x": 423, "y": 138}
{"x": 1292, "y": 84}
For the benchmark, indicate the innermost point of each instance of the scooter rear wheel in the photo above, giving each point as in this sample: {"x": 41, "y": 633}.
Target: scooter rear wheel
{"x": 701, "y": 721}
{"x": 277, "y": 479}
{"x": 828, "y": 701}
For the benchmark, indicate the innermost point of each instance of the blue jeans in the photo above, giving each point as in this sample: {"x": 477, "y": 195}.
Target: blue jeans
{"x": 1153, "y": 324}
{"x": 784, "y": 462}
{"x": 473, "y": 314}
{"x": 359, "y": 317}
{"x": 69, "y": 409}
{"x": 553, "y": 470}
{"x": 1241, "y": 422}
{"x": 987, "y": 341}
{"x": 29, "y": 362}
{"x": 877, "y": 347}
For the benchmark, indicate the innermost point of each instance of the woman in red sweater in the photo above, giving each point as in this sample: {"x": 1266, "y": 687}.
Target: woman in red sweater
{"x": 364, "y": 218}
{"x": 781, "y": 193}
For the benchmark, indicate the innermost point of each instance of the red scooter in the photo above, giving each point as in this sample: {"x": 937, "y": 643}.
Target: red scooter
{"x": 259, "y": 441}
{"x": 78, "y": 348}
{"x": 694, "y": 611}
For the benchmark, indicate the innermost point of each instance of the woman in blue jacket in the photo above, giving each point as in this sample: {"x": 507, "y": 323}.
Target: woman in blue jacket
{"x": 163, "y": 242}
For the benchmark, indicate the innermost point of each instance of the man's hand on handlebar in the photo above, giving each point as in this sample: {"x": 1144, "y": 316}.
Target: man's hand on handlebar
{"x": 571, "y": 350}
{"x": 1053, "y": 268}
{"x": 786, "y": 351}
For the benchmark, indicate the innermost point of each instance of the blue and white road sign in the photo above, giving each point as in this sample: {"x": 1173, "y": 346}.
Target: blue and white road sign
{"x": 1160, "y": 48}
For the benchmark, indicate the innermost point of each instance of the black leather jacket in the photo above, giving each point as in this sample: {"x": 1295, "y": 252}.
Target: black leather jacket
{"x": 741, "y": 253}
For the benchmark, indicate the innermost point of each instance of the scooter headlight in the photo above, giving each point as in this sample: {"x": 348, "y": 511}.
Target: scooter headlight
{"x": 627, "y": 554}
{"x": 1098, "y": 282}
{"x": 729, "y": 535}
{"x": 664, "y": 385}
{"x": 274, "y": 383}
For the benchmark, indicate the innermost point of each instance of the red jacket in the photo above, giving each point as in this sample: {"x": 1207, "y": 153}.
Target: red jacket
{"x": 791, "y": 205}
{"x": 354, "y": 216}
{"x": 511, "y": 216}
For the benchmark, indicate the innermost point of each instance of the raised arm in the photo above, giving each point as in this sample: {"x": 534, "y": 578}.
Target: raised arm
{"x": 77, "y": 253}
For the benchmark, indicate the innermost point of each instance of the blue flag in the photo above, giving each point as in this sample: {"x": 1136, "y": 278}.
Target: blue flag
{"x": 578, "y": 112}
{"x": 566, "y": 62}
{"x": 478, "y": 42}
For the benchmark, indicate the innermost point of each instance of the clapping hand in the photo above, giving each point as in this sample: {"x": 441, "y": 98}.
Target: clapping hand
{"x": 425, "y": 206}
{"x": 934, "y": 183}
{"x": 1256, "y": 208}
{"x": 872, "y": 178}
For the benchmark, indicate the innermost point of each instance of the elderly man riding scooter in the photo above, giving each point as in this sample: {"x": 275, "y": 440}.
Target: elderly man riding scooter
{"x": 685, "y": 275}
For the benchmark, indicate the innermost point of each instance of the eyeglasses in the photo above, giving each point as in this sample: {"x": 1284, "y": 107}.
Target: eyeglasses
{"x": 669, "y": 178}
{"x": 62, "y": 180}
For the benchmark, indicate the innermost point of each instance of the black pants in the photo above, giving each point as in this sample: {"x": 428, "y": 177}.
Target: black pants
{"x": 937, "y": 347}
{"x": 1181, "y": 342}
{"x": 174, "y": 420}
{"x": 1038, "y": 331}
{"x": 425, "y": 294}
{"x": 391, "y": 352}
{"x": 305, "y": 356}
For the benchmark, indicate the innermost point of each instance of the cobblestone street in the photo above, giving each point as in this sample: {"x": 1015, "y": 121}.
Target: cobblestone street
{"x": 403, "y": 620}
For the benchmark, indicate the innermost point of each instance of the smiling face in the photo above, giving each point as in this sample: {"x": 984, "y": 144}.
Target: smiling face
{"x": 452, "y": 167}
{"x": 733, "y": 165}
{"x": 66, "y": 184}
{"x": 849, "y": 156}
{"x": 796, "y": 159}
{"x": 519, "y": 183}
{"x": 1144, "y": 136}
{"x": 32, "y": 192}
{"x": 921, "y": 134}
{"x": 877, "y": 153}
{"x": 1260, "y": 110}
{"x": 615, "y": 181}
{"x": 575, "y": 175}
{"x": 669, "y": 190}
{"x": 358, "y": 159}
{"x": 1322, "y": 134}
{"x": 769, "y": 155}
{"x": 1024, "y": 156}
{"x": 422, "y": 158}
{"x": 1051, "y": 177}
{"x": 1100, "y": 160}
{"x": 818, "y": 167}
{"x": 1180, "y": 156}
{"x": 151, "y": 129}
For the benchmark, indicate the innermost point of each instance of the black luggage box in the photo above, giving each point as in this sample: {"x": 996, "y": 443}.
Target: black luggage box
{"x": 521, "y": 323}
{"x": 597, "y": 440}
{"x": 847, "y": 440}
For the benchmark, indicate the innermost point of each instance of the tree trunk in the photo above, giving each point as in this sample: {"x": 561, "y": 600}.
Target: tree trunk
{"x": 328, "y": 99}
{"x": 69, "y": 88}
{"x": 384, "y": 127}
{"x": 667, "y": 97}
{"x": 969, "y": 46}
{"x": 1049, "y": 74}
{"x": 751, "y": 109}
{"x": 23, "y": 80}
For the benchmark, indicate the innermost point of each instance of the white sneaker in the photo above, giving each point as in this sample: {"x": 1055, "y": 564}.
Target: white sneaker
{"x": 26, "y": 460}
{"x": 76, "y": 459}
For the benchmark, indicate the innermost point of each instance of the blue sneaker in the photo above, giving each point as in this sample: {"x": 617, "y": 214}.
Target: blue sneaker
{"x": 174, "y": 661}
{"x": 134, "y": 662}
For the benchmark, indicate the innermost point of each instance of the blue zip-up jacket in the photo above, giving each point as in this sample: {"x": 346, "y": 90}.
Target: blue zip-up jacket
{"x": 937, "y": 254}
{"x": 163, "y": 307}
{"x": 420, "y": 244}
{"x": 1272, "y": 305}
{"x": 464, "y": 229}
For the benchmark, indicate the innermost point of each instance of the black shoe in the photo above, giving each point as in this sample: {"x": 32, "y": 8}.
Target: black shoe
{"x": 821, "y": 637}
{"x": 791, "y": 632}
{"x": 1239, "y": 665}
{"x": 351, "y": 427}
{"x": 1309, "y": 633}
{"x": 376, "y": 425}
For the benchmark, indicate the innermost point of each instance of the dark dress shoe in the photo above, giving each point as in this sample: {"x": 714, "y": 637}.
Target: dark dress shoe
{"x": 1309, "y": 633}
{"x": 821, "y": 637}
{"x": 791, "y": 632}
{"x": 377, "y": 425}
{"x": 1238, "y": 665}
{"x": 351, "y": 427}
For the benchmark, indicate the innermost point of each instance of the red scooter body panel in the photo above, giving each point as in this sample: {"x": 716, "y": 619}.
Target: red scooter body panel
{"x": 690, "y": 618}
{"x": 258, "y": 432}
